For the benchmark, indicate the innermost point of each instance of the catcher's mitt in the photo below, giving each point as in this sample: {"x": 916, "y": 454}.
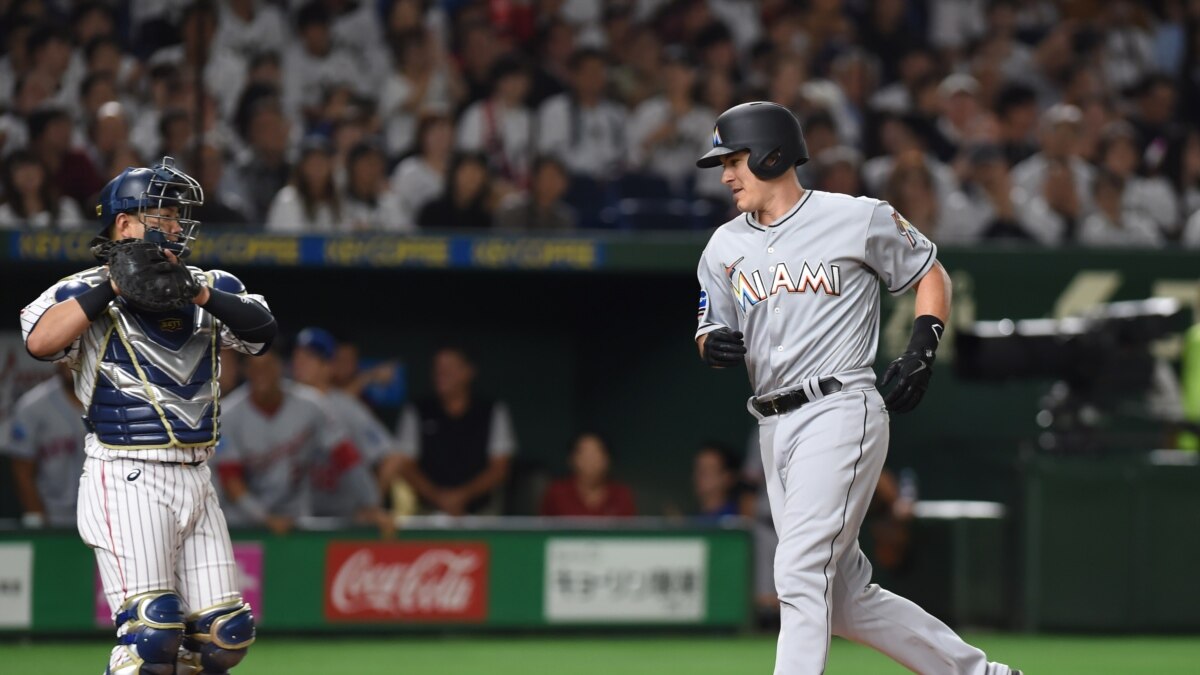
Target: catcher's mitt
{"x": 147, "y": 279}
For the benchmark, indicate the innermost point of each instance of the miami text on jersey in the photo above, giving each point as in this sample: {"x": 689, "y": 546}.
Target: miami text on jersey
{"x": 749, "y": 291}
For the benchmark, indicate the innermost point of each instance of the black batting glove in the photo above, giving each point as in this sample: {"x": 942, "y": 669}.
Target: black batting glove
{"x": 913, "y": 370}
{"x": 724, "y": 348}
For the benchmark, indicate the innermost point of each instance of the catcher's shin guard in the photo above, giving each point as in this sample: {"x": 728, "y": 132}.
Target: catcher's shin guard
{"x": 150, "y": 629}
{"x": 219, "y": 636}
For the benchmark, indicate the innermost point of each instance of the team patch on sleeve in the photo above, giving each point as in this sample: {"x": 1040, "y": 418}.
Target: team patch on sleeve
{"x": 703, "y": 304}
{"x": 905, "y": 228}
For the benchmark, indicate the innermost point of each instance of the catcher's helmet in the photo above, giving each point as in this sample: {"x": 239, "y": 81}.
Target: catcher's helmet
{"x": 135, "y": 190}
{"x": 768, "y": 130}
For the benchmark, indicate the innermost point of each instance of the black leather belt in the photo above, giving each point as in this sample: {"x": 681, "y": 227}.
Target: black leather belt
{"x": 794, "y": 399}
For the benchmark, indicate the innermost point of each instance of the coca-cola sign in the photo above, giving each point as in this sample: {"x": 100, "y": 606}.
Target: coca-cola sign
{"x": 429, "y": 581}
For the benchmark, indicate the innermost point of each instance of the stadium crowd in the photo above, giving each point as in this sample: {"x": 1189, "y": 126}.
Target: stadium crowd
{"x": 1030, "y": 120}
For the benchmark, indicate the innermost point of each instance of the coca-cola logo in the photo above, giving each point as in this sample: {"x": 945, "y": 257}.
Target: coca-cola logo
{"x": 409, "y": 581}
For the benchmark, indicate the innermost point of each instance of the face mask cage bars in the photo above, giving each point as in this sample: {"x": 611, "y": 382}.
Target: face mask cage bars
{"x": 169, "y": 188}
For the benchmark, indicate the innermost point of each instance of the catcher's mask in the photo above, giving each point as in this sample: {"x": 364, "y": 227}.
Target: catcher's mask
{"x": 162, "y": 186}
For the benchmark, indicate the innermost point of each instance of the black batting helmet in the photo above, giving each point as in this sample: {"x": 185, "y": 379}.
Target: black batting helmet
{"x": 768, "y": 130}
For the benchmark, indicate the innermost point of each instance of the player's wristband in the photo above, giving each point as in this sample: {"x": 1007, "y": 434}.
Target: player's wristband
{"x": 95, "y": 299}
{"x": 927, "y": 334}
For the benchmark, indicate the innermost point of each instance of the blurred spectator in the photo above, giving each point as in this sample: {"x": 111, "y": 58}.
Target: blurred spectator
{"x": 668, "y": 132}
{"x": 313, "y": 63}
{"x": 787, "y": 77}
{"x": 67, "y": 168}
{"x": 585, "y": 129}
{"x": 837, "y": 169}
{"x": 1151, "y": 199}
{"x": 714, "y": 45}
{"x": 589, "y": 490}
{"x": 962, "y": 119}
{"x": 887, "y": 29}
{"x": 95, "y": 90}
{"x": 91, "y": 19}
{"x": 32, "y": 91}
{"x": 898, "y": 137}
{"x": 910, "y": 190}
{"x": 174, "y": 133}
{"x": 1054, "y": 184}
{"x": 45, "y": 444}
{"x": 1128, "y": 48}
{"x": 478, "y": 49}
{"x": 637, "y": 74}
{"x": 421, "y": 177}
{"x": 856, "y": 74}
{"x": 1154, "y": 119}
{"x": 309, "y": 202}
{"x": 222, "y": 205}
{"x": 555, "y": 45}
{"x": 312, "y": 364}
{"x": 456, "y": 445}
{"x": 250, "y": 27}
{"x": 370, "y": 202}
{"x": 1017, "y": 112}
{"x": 500, "y": 126}
{"x": 542, "y": 208}
{"x": 821, "y": 135}
{"x": 1110, "y": 224}
{"x": 164, "y": 87}
{"x": 716, "y": 485}
{"x": 915, "y": 65}
{"x": 983, "y": 207}
{"x": 108, "y": 131}
{"x": 347, "y": 376}
{"x": 30, "y": 199}
{"x": 103, "y": 55}
{"x": 284, "y": 456}
{"x": 467, "y": 201}
{"x": 49, "y": 47}
{"x": 954, "y": 24}
{"x": 421, "y": 83}
{"x": 357, "y": 27}
{"x": 224, "y": 72}
{"x": 16, "y": 61}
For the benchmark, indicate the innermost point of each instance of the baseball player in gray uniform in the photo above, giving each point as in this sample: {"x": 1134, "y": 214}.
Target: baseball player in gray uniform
{"x": 46, "y": 445}
{"x": 312, "y": 365}
{"x": 279, "y": 446}
{"x": 790, "y": 288}
{"x": 148, "y": 385}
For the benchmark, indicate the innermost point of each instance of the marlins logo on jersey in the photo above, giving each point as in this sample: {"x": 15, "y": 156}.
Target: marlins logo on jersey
{"x": 905, "y": 228}
{"x": 749, "y": 291}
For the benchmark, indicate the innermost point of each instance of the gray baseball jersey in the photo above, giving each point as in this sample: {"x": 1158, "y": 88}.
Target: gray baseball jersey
{"x": 298, "y": 460}
{"x": 369, "y": 435}
{"x": 46, "y": 428}
{"x": 805, "y": 292}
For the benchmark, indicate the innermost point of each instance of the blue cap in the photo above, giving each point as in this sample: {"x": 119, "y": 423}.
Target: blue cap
{"x": 317, "y": 340}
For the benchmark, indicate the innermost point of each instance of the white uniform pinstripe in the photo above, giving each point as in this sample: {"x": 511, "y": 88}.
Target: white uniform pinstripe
{"x": 156, "y": 526}
{"x": 150, "y": 514}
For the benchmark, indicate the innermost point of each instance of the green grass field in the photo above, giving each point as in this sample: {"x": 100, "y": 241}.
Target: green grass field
{"x": 702, "y": 655}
